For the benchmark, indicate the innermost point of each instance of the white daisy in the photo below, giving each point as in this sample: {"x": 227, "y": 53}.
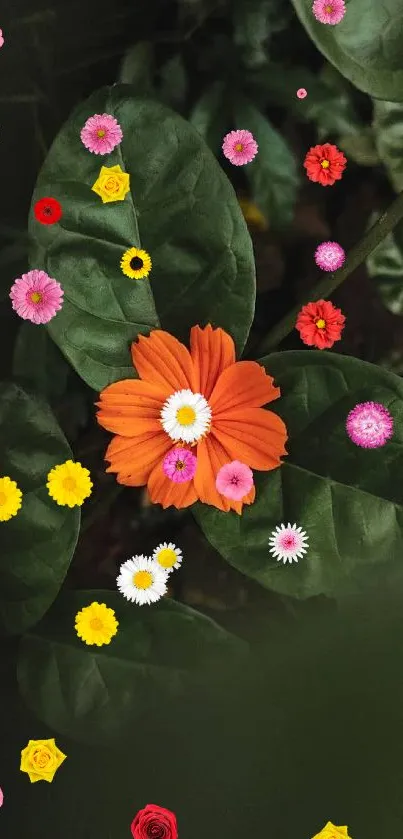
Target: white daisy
{"x": 142, "y": 580}
{"x": 288, "y": 543}
{"x": 168, "y": 556}
{"x": 186, "y": 416}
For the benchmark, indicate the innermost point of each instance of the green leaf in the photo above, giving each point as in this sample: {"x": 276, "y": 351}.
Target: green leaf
{"x": 160, "y": 654}
{"x": 272, "y": 173}
{"x": 38, "y": 543}
{"x": 349, "y": 500}
{"x": 38, "y": 364}
{"x": 137, "y": 68}
{"x": 203, "y": 267}
{"x": 388, "y": 131}
{"x": 385, "y": 266}
{"x": 251, "y": 30}
{"x": 365, "y": 46}
{"x": 173, "y": 84}
{"x": 211, "y": 117}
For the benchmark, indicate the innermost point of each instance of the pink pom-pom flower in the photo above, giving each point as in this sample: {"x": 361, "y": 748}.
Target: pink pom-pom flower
{"x": 329, "y": 256}
{"x": 369, "y": 425}
{"x": 329, "y": 11}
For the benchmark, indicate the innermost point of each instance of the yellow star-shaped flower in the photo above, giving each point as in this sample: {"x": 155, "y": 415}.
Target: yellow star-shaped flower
{"x": 41, "y": 759}
{"x": 112, "y": 184}
{"x": 331, "y": 831}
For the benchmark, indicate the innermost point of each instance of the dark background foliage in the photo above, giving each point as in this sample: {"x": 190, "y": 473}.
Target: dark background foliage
{"x": 314, "y": 732}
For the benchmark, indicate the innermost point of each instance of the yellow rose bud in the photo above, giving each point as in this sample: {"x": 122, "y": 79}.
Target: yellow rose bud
{"x": 331, "y": 831}
{"x": 112, "y": 184}
{"x": 40, "y": 760}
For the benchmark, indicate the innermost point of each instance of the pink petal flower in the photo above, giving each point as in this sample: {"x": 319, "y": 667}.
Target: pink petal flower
{"x": 329, "y": 11}
{"x": 234, "y": 480}
{"x": 329, "y": 256}
{"x": 239, "y": 147}
{"x": 36, "y": 297}
{"x": 1, "y": 791}
{"x": 1, "y": 38}
{"x": 301, "y": 93}
{"x": 101, "y": 134}
{"x": 179, "y": 465}
{"x": 369, "y": 425}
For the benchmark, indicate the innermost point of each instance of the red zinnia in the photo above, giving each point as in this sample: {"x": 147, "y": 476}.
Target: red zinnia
{"x": 48, "y": 211}
{"x": 325, "y": 164}
{"x": 320, "y": 324}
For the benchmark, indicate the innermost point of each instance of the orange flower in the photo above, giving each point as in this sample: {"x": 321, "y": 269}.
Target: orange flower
{"x": 202, "y": 398}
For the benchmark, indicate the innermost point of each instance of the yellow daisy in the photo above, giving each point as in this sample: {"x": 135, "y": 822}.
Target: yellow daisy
{"x": 136, "y": 263}
{"x": 10, "y": 499}
{"x": 69, "y": 484}
{"x": 96, "y": 624}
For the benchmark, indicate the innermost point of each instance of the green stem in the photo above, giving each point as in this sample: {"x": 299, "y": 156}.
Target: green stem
{"x": 330, "y": 282}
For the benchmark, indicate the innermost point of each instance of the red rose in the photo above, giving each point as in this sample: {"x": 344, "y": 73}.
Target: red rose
{"x": 48, "y": 211}
{"x": 154, "y": 822}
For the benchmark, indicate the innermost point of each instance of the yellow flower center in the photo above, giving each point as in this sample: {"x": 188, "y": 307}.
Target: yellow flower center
{"x": 41, "y": 758}
{"x": 329, "y": 9}
{"x": 179, "y": 465}
{"x": 101, "y": 133}
{"x": 320, "y": 323}
{"x": 239, "y": 147}
{"x": 185, "y": 415}
{"x": 36, "y": 297}
{"x": 96, "y": 624}
{"x": 325, "y": 164}
{"x": 112, "y": 185}
{"x": 3, "y": 498}
{"x": 142, "y": 579}
{"x": 69, "y": 484}
{"x": 167, "y": 558}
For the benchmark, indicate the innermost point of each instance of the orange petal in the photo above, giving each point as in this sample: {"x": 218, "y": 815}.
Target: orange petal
{"x": 131, "y": 407}
{"x": 253, "y": 436}
{"x": 245, "y": 383}
{"x": 212, "y": 351}
{"x": 163, "y": 360}
{"x": 133, "y": 458}
{"x": 166, "y": 492}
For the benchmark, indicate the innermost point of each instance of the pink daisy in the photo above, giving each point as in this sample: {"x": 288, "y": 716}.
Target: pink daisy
{"x": 239, "y": 147}
{"x": 1, "y": 791}
{"x": 301, "y": 93}
{"x": 1, "y": 38}
{"x": 36, "y": 297}
{"x": 288, "y": 543}
{"x": 101, "y": 133}
{"x": 179, "y": 465}
{"x": 369, "y": 425}
{"x": 329, "y": 256}
{"x": 234, "y": 480}
{"x": 329, "y": 11}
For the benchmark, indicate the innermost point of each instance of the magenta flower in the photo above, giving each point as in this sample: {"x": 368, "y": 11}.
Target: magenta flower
{"x": 301, "y": 93}
{"x": 329, "y": 256}
{"x": 239, "y": 147}
{"x": 36, "y": 297}
{"x": 234, "y": 480}
{"x": 179, "y": 465}
{"x": 329, "y": 11}
{"x": 369, "y": 425}
{"x": 1, "y": 791}
{"x": 101, "y": 133}
{"x": 1, "y": 38}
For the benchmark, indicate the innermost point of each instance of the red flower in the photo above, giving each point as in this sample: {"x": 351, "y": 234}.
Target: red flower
{"x": 325, "y": 164}
{"x": 48, "y": 211}
{"x": 320, "y": 324}
{"x": 154, "y": 822}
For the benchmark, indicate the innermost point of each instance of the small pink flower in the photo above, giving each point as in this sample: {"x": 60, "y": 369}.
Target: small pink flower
{"x": 101, "y": 133}
{"x": 239, "y": 147}
{"x": 329, "y": 11}
{"x": 234, "y": 480}
{"x": 1, "y": 44}
{"x": 1, "y": 791}
{"x": 329, "y": 256}
{"x": 301, "y": 93}
{"x": 369, "y": 425}
{"x": 179, "y": 465}
{"x": 36, "y": 297}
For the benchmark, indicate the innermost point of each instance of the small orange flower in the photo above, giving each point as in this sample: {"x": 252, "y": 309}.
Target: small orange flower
{"x": 202, "y": 398}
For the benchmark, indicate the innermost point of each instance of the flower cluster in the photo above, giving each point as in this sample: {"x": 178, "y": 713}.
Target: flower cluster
{"x": 143, "y": 580}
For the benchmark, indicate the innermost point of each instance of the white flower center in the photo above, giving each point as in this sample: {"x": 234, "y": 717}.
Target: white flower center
{"x": 186, "y": 416}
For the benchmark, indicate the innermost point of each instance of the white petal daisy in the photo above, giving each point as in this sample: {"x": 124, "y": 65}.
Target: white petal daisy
{"x": 168, "y": 556}
{"x": 142, "y": 580}
{"x": 288, "y": 543}
{"x": 186, "y": 416}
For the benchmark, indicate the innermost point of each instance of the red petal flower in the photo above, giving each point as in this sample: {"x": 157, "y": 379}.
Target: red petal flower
{"x": 320, "y": 324}
{"x": 154, "y": 822}
{"x": 325, "y": 164}
{"x": 48, "y": 211}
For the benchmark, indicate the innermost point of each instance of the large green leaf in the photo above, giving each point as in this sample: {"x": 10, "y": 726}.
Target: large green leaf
{"x": 388, "y": 133}
{"x": 348, "y": 499}
{"x": 272, "y": 173}
{"x": 181, "y": 209}
{"x": 38, "y": 543}
{"x": 365, "y": 46}
{"x": 158, "y": 657}
{"x": 385, "y": 266}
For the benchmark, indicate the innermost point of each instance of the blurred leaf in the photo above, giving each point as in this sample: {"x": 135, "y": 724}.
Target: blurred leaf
{"x": 137, "y": 68}
{"x": 13, "y": 262}
{"x": 385, "y": 265}
{"x": 38, "y": 363}
{"x": 360, "y": 147}
{"x": 348, "y": 499}
{"x": 38, "y": 543}
{"x": 173, "y": 87}
{"x": 210, "y": 116}
{"x": 201, "y": 255}
{"x": 272, "y": 174}
{"x": 251, "y": 30}
{"x": 365, "y": 46}
{"x": 160, "y": 655}
{"x": 388, "y": 130}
